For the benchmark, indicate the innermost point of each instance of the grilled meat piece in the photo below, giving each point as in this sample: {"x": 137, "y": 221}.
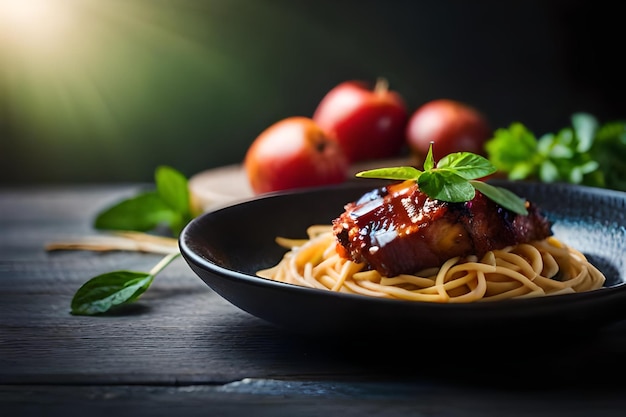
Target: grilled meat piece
{"x": 397, "y": 229}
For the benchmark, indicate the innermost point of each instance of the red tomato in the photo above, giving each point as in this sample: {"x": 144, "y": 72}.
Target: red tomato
{"x": 368, "y": 123}
{"x": 294, "y": 153}
{"x": 452, "y": 126}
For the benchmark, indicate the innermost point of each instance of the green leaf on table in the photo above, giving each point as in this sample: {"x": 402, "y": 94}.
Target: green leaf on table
{"x": 107, "y": 291}
{"x": 103, "y": 292}
{"x": 142, "y": 212}
{"x": 173, "y": 188}
{"x": 169, "y": 205}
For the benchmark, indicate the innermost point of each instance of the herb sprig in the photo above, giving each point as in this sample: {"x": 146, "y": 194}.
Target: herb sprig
{"x": 170, "y": 206}
{"x": 587, "y": 153}
{"x": 454, "y": 179}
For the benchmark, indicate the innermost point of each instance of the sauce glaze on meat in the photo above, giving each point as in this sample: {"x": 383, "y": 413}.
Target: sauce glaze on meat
{"x": 397, "y": 229}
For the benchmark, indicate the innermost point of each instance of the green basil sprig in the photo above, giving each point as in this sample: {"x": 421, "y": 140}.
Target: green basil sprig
{"x": 168, "y": 205}
{"x": 453, "y": 179}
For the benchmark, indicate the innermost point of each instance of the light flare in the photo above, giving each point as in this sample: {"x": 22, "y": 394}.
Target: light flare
{"x": 29, "y": 27}
{"x": 89, "y": 70}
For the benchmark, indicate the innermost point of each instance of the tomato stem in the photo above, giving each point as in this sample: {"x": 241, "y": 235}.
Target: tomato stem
{"x": 382, "y": 85}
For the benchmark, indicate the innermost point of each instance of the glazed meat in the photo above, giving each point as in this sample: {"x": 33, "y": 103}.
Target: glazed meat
{"x": 399, "y": 230}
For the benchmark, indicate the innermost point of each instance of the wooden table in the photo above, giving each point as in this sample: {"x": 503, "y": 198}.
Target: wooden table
{"x": 183, "y": 350}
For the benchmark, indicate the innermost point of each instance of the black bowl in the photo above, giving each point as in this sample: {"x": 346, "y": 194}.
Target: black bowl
{"x": 227, "y": 246}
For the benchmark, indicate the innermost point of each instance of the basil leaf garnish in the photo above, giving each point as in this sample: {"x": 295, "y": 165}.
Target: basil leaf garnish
{"x": 453, "y": 179}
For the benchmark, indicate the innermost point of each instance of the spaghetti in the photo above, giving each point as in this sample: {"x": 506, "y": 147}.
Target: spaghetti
{"x": 539, "y": 268}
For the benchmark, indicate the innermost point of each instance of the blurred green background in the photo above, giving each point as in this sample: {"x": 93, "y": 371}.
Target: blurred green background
{"x": 106, "y": 90}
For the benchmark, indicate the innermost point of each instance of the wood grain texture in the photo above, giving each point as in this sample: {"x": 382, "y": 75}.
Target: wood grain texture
{"x": 182, "y": 347}
{"x": 288, "y": 399}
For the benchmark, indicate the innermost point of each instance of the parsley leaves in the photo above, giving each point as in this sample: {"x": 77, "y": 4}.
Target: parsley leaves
{"x": 585, "y": 153}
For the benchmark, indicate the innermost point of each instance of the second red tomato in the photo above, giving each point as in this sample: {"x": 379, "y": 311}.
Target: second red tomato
{"x": 451, "y": 126}
{"x": 368, "y": 122}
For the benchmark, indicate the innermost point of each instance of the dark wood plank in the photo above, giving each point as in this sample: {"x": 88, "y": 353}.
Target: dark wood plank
{"x": 287, "y": 398}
